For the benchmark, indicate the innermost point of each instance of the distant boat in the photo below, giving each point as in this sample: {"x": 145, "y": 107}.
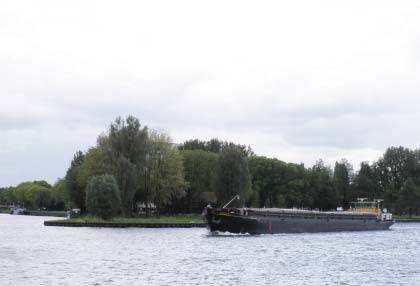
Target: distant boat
{"x": 363, "y": 215}
{"x": 18, "y": 211}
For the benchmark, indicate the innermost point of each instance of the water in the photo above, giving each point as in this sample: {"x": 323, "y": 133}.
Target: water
{"x": 32, "y": 254}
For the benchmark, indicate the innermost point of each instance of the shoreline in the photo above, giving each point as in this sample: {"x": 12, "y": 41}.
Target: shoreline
{"x": 174, "y": 221}
{"x": 407, "y": 220}
{"x": 62, "y": 214}
{"x": 121, "y": 225}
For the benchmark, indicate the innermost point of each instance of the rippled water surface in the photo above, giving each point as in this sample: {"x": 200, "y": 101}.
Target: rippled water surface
{"x": 32, "y": 254}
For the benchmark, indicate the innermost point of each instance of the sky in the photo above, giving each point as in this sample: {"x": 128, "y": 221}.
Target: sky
{"x": 296, "y": 80}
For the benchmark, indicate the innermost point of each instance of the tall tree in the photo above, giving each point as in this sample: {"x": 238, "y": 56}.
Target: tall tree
{"x": 365, "y": 183}
{"x": 326, "y": 197}
{"x": 272, "y": 182}
{"x": 343, "y": 172}
{"x": 232, "y": 176}
{"x": 409, "y": 199}
{"x": 125, "y": 149}
{"x": 60, "y": 195}
{"x": 74, "y": 182}
{"x": 165, "y": 171}
{"x": 199, "y": 169}
{"x": 393, "y": 169}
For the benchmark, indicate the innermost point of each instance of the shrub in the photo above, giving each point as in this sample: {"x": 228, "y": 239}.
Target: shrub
{"x": 103, "y": 196}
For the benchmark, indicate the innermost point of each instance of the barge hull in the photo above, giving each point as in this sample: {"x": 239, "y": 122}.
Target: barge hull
{"x": 270, "y": 224}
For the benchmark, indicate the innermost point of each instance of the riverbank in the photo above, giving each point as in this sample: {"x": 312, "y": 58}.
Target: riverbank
{"x": 407, "y": 218}
{"x": 38, "y": 213}
{"x": 178, "y": 221}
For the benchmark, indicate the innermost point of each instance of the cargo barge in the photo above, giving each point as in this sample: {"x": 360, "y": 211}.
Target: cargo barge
{"x": 363, "y": 215}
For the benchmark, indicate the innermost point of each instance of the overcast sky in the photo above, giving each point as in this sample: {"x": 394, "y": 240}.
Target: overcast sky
{"x": 295, "y": 80}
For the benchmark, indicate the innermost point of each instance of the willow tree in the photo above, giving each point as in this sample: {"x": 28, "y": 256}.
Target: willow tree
{"x": 102, "y": 196}
{"x": 124, "y": 149}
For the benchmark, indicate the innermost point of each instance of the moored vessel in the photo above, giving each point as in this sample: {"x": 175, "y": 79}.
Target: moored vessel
{"x": 362, "y": 215}
{"x": 18, "y": 211}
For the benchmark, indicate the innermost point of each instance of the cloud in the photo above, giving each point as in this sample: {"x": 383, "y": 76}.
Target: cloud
{"x": 297, "y": 80}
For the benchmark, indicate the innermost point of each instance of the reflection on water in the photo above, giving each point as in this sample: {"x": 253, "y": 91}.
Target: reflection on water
{"x": 31, "y": 254}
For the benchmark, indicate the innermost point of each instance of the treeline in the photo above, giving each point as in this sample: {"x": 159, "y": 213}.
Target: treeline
{"x": 37, "y": 195}
{"x": 133, "y": 169}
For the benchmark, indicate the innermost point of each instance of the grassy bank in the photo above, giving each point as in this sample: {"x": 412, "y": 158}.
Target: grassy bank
{"x": 406, "y": 218}
{"x": 185, "y": 220}
{"x": 48, "y": 213}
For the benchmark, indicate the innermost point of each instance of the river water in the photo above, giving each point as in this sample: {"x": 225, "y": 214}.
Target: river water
{"x": 33, "y": 254}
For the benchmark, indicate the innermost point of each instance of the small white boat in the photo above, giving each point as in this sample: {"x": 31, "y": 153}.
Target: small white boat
{"x": 18, "y": 211}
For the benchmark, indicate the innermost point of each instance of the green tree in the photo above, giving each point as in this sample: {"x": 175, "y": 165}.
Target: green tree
{"x": 7, "y": 196}
{"x": 125, "y": 148}
{"x": 326, "y": 197}
{"x": 365, "y": 184}
{"x": 35, "y": 195}
{"x": 165, "y": 171}
{"x": 128, "y": 178}
{"x": 296, "y": 191}
{"x": 103, "y": 196}
{"x": 343, "y": 172}
{"x": 199, "y": 169}
{"x": 409, "y": 199}
{"x": 75, "y": 181}
{"x": 60, "y": 195}
{"x": 392, "y": 170}
{"x": 215, "y": 146}
{"x": 270, "y": 178}
{"x": 232, "y": 176}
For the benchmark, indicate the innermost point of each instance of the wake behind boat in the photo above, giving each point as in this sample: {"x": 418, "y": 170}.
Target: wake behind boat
{"x": 363, "y": 215}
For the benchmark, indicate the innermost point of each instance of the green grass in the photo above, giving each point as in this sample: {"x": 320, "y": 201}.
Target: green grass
{"x": 406, "y": 218}
{"x": 181, "y": 219}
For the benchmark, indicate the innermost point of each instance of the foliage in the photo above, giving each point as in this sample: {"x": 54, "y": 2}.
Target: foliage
{"x": 365, "y": 183}
{"x": 326, "y": 197}
{"x": 269, "y": 181}
{"x": 232, "y": 176}
{"x": 199, "y": 169}
{"x": 36, "y": 195}
{"x": 125, "y": 150}
{"x": 7, "y": 195}
{"x": 165, "y": 171}
{"x": 75, "y": 181}
{"x": 409, "y": 198}
{"x": 343, "y": 173}
{"x": 148, "y": 168}
{"x": 122, "y": 152}
{"x": 103, "y": 196}
{"x": 393, "y": 169}
{"x": 215, "y": 146}
{"x": 60, "y": 197}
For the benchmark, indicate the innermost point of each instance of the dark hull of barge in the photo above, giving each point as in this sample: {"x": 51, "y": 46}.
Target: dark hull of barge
{"x": 290, "y": 222}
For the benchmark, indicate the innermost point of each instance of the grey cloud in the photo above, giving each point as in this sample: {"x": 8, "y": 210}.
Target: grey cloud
{"x": 295, "y": 84}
